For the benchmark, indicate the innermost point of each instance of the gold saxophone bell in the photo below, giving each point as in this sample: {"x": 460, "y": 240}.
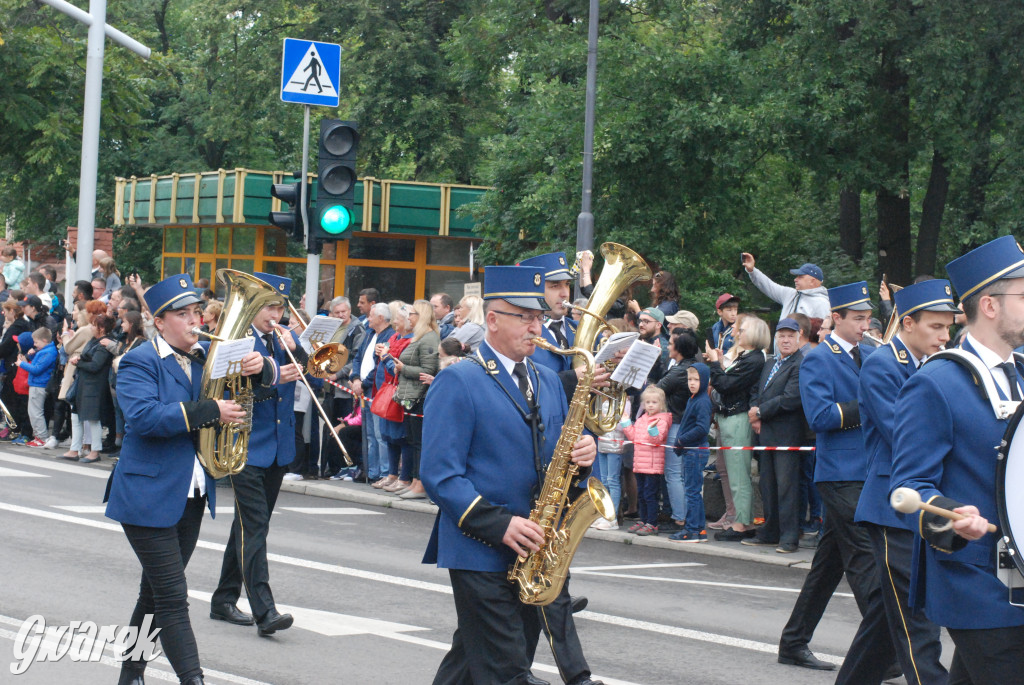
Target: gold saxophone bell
{"x": 12, "y": 425}
{"x": 622, "y": 268}
{"x": 223, "y": 449}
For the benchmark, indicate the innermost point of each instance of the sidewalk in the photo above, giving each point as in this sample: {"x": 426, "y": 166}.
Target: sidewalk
{"x": 363, "y": 494}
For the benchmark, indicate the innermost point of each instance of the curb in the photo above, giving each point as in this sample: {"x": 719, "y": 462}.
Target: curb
{"x": 349, "y": 492}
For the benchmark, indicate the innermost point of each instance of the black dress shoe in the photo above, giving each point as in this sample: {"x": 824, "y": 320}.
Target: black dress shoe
{"x": 534, "y": 680}
{"x": 131, "y": 673}
{"x": 805, "y": 659}
{"x": 578, "y": 604}
{"x": 231, "y": 614}
{"x": 273, "y": 622}
{"x": 586, "y": 680}
{"x": 194, "y": 680}
{"x": 735, "y": 535}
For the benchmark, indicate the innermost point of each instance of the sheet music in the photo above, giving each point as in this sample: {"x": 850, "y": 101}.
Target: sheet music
{"x": 229, "y": 355}
{"x": 618, "y": 341}
{"x": 637, "y": 364}
{"x": 320, "y": 330}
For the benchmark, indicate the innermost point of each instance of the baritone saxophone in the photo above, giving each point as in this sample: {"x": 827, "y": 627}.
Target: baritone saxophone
{"x": 541, "y": 575}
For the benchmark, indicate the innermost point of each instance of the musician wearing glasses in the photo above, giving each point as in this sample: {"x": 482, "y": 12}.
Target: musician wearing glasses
{"x": 490, "y": 428}
{"x": 256, "y": 487}
{"x": 946, "y": 436}
{"x": 158, "y": 489}
{"x": 925, "y": 312}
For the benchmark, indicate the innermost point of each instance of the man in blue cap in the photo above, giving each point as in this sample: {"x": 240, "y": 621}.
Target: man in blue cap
{"x": 159, "y": 489}
{"x": 829, "y": 380}
{"x": 271, "y": 450}
{"x": 559, "y": 329}
{"x": 925, "y": 312}
{"x": 490, "y": 428}
{"x": 807, "y": 296}
{"x": 945, "y": 447}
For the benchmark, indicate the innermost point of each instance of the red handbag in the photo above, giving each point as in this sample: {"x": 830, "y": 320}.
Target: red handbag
{"x": 21, "y": 381}
{"x": 384, "y": 404}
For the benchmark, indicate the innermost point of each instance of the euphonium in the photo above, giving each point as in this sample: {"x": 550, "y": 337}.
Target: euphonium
{"x": 542, "y": 574}
{"x": 622, "y": 268}
{"x": 326, "y": 359}
{"x": 222, "y": 449}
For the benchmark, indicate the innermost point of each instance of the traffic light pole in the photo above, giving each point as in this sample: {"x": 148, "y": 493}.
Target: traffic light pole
{"x": 312, "y": 260}
{"x": 585, "y": 221}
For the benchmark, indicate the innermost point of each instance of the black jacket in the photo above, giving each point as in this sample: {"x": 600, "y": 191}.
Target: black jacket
{"x": 734, "y": 387}
{"x": 9, "y": 344}
{"x": 782, "y": 414}
{"x": 677, "y": 392}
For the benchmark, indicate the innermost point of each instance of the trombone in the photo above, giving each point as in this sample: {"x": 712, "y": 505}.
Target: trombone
{"x": 326, "y": 358}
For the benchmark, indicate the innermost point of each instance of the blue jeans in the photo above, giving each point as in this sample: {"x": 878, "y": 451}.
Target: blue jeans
{"x": 674, "y": 490}
{"x": 647, "y": 487}
{"x": 694, "y": 462}
{"x": 611, "y": 470}
{"x": 377, "y": 448}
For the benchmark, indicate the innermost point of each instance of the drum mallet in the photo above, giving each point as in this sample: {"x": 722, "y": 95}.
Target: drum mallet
{"x": 908, "y": 501}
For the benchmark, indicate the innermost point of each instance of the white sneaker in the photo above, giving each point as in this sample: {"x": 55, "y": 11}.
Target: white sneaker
{"x": 604, "y": 524}
{"x": 293, "y": 476}
{"x": 51, "y": 443}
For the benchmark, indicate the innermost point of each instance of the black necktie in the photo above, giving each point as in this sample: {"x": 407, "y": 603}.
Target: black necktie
{"x": 856, "y": 355}
{"x": 268, "y": 340}
{"x": 556, "y": 330}
{"x": 519, "y": 371}
{"x": 1011, "y": 376}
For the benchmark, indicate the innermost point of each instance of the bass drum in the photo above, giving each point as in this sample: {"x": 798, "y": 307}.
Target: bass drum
{"x": 1010, "y": 489}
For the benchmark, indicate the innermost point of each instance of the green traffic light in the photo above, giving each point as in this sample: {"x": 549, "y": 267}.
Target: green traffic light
{"x": 335, "y": 219}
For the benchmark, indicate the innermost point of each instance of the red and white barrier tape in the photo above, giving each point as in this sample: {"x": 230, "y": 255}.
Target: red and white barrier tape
{"x": 713, "y": 449}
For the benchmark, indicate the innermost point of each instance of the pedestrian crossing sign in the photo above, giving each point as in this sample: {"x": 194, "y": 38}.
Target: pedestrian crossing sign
{"x": 310, "y": 72}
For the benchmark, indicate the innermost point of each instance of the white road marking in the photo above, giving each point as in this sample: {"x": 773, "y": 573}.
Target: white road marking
{"x": 151, "y": 672}
{"x": 712, "y": 583}
{"x": 102, "y": 508}
{"x": 53, "y": 466}
{"x": 345, "y": 511}
{"x": 687, "y": 633}
{"x": 14, "y": 473}
{"x": 586, "y": 569}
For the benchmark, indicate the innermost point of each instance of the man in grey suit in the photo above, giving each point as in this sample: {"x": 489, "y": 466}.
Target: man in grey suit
{"x": 777, "y": 416}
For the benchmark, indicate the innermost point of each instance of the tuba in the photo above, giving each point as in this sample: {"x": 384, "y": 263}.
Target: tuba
{"x": 622, "y": 268}
{"x": 222, "y": 448}
{"x": 541, "y": 575}
{"x": 326, "y": 358}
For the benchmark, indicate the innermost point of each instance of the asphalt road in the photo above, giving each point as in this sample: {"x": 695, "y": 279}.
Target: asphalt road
{"x": 367, "y": 610}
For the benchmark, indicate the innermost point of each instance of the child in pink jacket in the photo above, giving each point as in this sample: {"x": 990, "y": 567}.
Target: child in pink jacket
{"x": 648, "y": 435}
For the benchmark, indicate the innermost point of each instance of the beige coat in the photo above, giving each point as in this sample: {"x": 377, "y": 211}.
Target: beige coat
{"x": 73, "y": 347}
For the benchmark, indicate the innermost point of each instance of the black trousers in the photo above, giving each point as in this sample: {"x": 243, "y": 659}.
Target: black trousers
{"x": 413, "y": 423}
{"x": 337, "y": 409}
{"x": 780, "y": 494}
{"x": 245, "y": 558}
{"x": 558, "y": 624}
{"x": 990, "y": 656}
{"x": 844, "y": 547}
{"x": 916, "y": 639}
{"x": 164, "y": 554}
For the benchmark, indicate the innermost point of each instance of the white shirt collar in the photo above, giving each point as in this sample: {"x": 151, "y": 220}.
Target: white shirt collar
{"x": 847, "y": 346}
{"x": 992, "y": 361}
{"x": 164, "y": 349}
{"x": 505, "y": 362}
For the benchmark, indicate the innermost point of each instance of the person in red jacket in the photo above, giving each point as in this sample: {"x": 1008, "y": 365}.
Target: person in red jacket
{"x": 649, "y": 434}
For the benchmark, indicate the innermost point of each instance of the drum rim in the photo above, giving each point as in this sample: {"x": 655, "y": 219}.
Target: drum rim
{"x": 1003, "y": 454}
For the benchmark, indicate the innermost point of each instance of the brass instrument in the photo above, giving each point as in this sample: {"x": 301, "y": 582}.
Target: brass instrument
{"x": 622, "y": 268}
{"x": 894, "y": 320}
{"x": 541, "y": 574}
{"x": 312, "y": 398}
{"x": 223, "y": 449}
{"x": 326, "y": 359}
{"x": 8, "y": 417}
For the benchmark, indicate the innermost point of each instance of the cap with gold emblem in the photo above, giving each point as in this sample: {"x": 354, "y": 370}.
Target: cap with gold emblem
{"x": 522, "y": 286}
{"x": 553, "y": 264}
{"x": 171, "y": 293}
{"x": 850, "y": 296}
{"x": 931, "y": 296}
{"x": 982, "y": 266}
{"x": 281, "y": 284}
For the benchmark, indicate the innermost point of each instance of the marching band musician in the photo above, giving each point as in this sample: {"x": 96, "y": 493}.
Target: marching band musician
{"x": 925, "y": 312}
{"x": 256, "y": 487}
{"x": 158, "y": 489}
{"x": 946, "y": 435}
{"x": 491, "y": 425}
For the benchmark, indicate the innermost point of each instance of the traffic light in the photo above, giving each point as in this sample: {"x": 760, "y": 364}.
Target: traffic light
{"x": 291, "y": 220}
{"x": 336, "y": 168}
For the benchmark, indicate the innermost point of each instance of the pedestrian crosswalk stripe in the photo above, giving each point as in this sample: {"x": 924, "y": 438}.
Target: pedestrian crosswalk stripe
{"x": 14, "y": 473}
{"x": 325, "y": 511}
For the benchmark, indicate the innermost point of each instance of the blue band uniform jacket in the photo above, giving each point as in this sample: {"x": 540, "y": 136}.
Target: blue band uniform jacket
{"x": 555, "y": 362}
{"x": 945, "y": 448}
{"x": 478, "y": 460}
{"x": 882, "y": 376}
{"x": 829, "y": 382}
{"x": 150, "y": 484}
{"x": 273, "y": 413}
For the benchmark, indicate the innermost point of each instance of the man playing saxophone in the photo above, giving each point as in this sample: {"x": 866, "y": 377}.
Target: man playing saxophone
{"x": 490, "y": 428}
